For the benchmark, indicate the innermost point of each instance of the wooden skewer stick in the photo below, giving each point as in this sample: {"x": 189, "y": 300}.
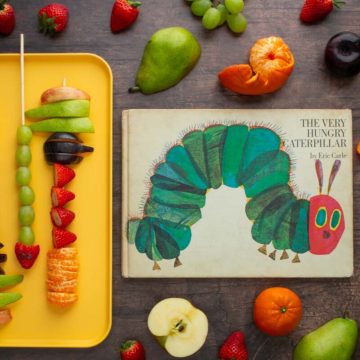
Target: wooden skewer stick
{"x": 64, "y": 82}
{"x": 22, "y": 79}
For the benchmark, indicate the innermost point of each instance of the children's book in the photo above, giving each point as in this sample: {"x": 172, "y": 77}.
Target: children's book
{"x": 237, "y": 193}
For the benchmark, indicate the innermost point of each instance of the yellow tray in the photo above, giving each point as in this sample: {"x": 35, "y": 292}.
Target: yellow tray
{"x": 36, "y": 323}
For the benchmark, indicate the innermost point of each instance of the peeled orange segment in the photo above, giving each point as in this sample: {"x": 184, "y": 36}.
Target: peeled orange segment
{"x": 68, "y": 286}
{"x": 67, "y": 253}
{"x": 68, "y": 265}
{"x": 61, "y": 275}
{"x": 61, "y": 299}
{"x": 271, "y": 63}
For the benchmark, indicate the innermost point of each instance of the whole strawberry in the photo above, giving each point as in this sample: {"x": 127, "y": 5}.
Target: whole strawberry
{"x": 234, "y": 347}
{"x": 7, "y": 18}
{"x": 53, "y": 18}
{"x": 123, "y": 15}
{"x": 315, "y": 10}
{"x": 132, "y": 350}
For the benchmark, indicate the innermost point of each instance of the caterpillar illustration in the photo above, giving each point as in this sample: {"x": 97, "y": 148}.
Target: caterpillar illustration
{"x": 235, "y": 155}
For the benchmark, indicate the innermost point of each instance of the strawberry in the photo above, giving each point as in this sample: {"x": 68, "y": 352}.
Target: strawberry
{"x": 234, "y": 347}
{"x": 7, "y": 18}
{"x": 61, "y": 217}
{"x": 123, "y": 15}
{"x": 62, "y": 175}
{"x": 61, "y": 196}
{"x": 53, "y": 18}
{"x": 132, "y": 350}
{"x": 315, "y": 10}
{"x": 26, "y": 254}
{"x": 62, "y": 237}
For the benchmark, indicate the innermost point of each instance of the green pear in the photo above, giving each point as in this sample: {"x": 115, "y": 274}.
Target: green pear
{"x": 335, "y": 340}
{"x": 169, "y": 56}
{"x": 72, "y": 125}
{"x": 8, "y": 298}
{"x": 10, "y": 280}
{"x": 66, "y": 108}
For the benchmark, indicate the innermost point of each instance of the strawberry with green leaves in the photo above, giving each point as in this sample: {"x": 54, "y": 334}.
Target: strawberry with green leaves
{"x": 7, "y": 18}
{"x": 315, "y": 10}
{"x": 53, "y": 18}
{"x": 124, "y": 14}
{"x": 234, "y": 347}
{"x": 132, "y": 350}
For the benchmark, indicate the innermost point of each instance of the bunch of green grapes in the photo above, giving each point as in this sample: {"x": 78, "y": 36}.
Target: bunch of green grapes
{"x": 215, "y": 13}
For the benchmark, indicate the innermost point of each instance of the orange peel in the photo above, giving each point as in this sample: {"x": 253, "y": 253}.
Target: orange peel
{"x": 271, "y": 64}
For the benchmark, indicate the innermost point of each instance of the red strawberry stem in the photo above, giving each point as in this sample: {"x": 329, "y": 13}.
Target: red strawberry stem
{"x": 134, "y": 3}
{"x": 338, "y": 3}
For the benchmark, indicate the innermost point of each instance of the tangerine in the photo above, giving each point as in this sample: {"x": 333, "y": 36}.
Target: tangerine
{"x": 271, "y": 64}
{"x": 277, "y": 311}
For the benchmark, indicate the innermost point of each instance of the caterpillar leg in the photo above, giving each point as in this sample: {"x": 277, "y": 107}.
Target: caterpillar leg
{"x": 156, "y": 266}
{"x": 284, "y": 255}
{"x": 272, "y": 255}
{"x": 262, "y": 249}
{"x": 177, "y": 262}
{"x": 296, "y": 259}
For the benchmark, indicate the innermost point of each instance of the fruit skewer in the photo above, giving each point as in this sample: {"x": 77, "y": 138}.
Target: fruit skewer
{"x": 25, "y": 250}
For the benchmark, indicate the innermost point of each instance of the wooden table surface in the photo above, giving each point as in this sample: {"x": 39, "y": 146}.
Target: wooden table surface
{"x": 228, "y": 302}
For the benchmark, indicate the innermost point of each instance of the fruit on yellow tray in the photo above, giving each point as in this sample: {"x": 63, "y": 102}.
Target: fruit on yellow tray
{"x": 271, "y": 64}
{"x": 65, "y": 109}
{"x": 72, "y": 125}
{"x": 5, "y": 316}
{"x": 62, "y": 299}
{"x": 8, "y": 298}
{"x": 277, "y": 311}
{"x": 169, "y": 56}
{"x": 335, "y": 340}
{"x": 10, "y": 280}
{"x": 60, "y": 93}
{"x": 180, "y": 328}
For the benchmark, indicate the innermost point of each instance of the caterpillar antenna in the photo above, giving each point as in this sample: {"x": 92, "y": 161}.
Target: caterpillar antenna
{"x": 334, "y": 171}
{"x": 319, "y": 173}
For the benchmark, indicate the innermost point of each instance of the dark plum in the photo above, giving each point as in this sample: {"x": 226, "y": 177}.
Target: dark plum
{"x": 342, "y": 54}
{"x": 61, "y": 158}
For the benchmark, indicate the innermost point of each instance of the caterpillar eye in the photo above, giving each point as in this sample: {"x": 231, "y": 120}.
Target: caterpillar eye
{"x": 321, "y": 217}
{"x": 335, "y": 219}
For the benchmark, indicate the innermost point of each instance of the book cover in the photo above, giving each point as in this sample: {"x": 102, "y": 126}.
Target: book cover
{"x": 237, "y": 193}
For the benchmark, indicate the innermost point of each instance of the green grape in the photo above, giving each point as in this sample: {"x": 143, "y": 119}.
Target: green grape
{"x": 211, "y": 18}
{"x": 234, "y": 6}
{"x": 223, "y": 13}
{"x": 23, "y": 155}
{"x": 26, "y": 215}
{"x": 26, "y": 195}
{"x": 237, "y": 23}
{"x": 199, "y": 7}
{"x": 24, "y": 135}
{"x": 23, "y": 176}
{"x": 26, "y": 236}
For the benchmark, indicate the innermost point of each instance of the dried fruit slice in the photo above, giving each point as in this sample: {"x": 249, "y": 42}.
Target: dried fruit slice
{"x": 61, "y": 299}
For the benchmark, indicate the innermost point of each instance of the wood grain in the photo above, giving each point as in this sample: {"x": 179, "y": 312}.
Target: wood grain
{"x": 227, "y": 302}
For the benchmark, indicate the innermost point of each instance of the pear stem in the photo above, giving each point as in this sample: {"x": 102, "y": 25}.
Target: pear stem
{"x": 134, "y": 89}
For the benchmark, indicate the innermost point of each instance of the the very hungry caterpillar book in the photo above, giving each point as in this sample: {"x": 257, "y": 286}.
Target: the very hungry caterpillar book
{"x": 237, "y": 193}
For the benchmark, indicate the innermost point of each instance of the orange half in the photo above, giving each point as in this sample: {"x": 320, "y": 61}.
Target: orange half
{"x": 271, "y": 64}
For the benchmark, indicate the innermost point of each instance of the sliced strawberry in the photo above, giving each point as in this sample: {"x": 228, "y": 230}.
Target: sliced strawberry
{"x": 61, "y": 196}
{"x": 26, "y": 254}
{"x": 61, "y": 217}
{"x": 62, "y": 237}
{"x": 62, "y": 175}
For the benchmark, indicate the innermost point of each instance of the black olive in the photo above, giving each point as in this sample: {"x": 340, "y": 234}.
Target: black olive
{"x": 3, "y": 258}
{"x": 66, "y": 147}
{"x": 62, "y": 158}
{"x": 2, "y": 272}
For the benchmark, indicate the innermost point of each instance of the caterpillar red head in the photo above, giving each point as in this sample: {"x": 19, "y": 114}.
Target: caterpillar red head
{"x": 326, "y": 217}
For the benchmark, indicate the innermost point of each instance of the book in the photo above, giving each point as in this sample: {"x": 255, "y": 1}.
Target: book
{"x": 237, "y": 193}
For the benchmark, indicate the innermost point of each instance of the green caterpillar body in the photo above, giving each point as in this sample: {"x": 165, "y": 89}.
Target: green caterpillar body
{"x": 235, "y": 156}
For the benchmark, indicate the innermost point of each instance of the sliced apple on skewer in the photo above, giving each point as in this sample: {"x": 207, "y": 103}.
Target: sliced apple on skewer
{"x": 180, "y": 328}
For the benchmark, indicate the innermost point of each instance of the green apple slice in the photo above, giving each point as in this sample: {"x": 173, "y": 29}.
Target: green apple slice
{"x": 8, "y": 298}
{"x": 180, "y": 328}
{"x": 66, "y": 109}
{"x": 10, "y": 280}
{"x": 72, "y": 125}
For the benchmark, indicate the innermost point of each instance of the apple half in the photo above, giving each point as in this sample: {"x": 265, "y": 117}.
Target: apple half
{"x": 61, "y": 93}
{"x": 180, "y": 328}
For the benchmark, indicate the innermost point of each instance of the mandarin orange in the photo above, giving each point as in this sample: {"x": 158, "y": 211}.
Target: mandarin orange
{"x": 271, "y": 64}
